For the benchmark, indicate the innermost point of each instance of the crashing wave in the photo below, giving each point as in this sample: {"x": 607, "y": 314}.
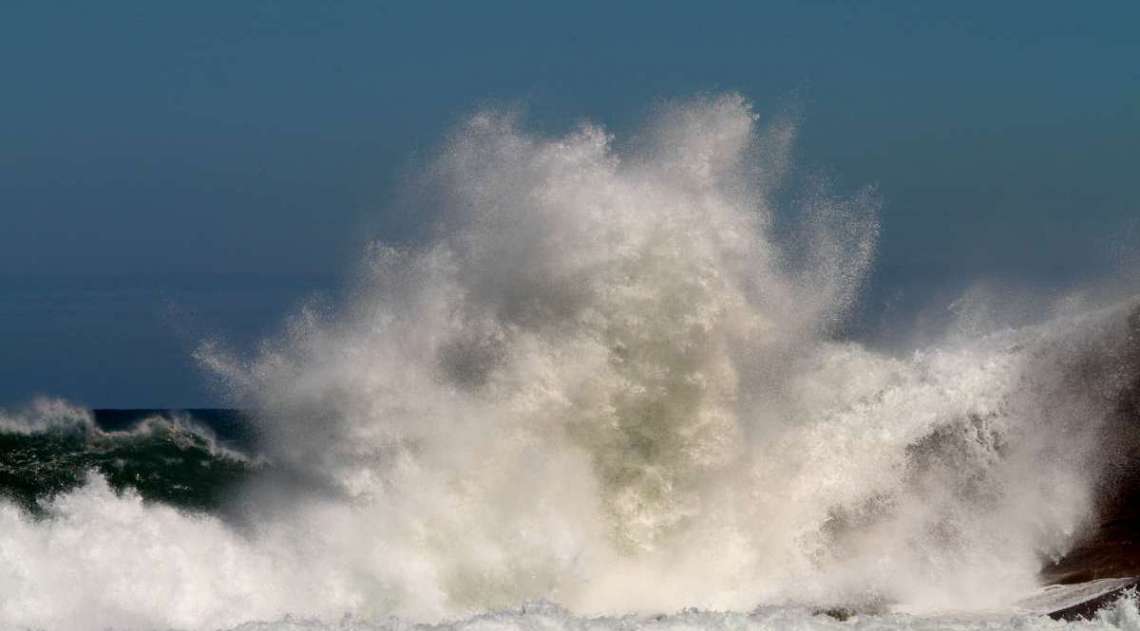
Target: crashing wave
{"x": 613, "y": 381}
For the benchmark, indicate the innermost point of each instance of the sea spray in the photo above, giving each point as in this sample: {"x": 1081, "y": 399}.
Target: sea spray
{"x": 607, "y": 383}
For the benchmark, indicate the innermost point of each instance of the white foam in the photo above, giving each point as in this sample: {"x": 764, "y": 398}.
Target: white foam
{"x": 1122, "y": 615}
{"x": 606, "y": 385}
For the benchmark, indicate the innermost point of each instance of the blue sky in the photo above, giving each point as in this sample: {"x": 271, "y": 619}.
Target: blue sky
{"x": 171, "y": 171}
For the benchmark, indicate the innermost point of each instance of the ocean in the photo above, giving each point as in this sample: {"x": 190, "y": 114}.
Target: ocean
{"x": 612, "y": 391}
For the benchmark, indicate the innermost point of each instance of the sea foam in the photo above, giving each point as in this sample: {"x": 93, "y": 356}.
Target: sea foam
{"x": 612, "y": 381}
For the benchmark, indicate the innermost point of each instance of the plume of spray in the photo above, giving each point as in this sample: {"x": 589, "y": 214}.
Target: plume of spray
{"x": 606, "y": 383}
{"x": 569, "y": 389}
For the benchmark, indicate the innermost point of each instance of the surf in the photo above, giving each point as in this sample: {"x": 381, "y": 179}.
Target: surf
{"x": 614, "y": 380}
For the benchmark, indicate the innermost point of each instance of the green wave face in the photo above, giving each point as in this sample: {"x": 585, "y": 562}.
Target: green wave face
{"x": 165, "y": 458}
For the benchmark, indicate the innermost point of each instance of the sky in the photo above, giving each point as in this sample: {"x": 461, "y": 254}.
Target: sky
{"x": 171, "y": 172}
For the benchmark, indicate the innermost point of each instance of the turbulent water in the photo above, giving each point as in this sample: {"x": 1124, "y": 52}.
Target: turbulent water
{"x": 612, "y": 385}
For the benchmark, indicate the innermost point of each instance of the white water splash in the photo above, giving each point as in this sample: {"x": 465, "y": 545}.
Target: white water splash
{"x": 606, "y": 384}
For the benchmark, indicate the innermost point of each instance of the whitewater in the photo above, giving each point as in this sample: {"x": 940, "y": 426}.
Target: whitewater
{"x": 611, "y": 391}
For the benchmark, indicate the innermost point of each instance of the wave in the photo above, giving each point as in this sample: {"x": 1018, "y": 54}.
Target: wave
{"x": 169, "y": 457}
{"x": 614, "y": 380}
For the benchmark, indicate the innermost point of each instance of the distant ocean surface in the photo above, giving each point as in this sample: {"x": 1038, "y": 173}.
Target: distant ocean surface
{"x": 130, "y": 339}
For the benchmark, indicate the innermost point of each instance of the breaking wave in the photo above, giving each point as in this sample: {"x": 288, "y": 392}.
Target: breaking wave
{"x": 51, "y": 447}
{"x": 613, "y": 381}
